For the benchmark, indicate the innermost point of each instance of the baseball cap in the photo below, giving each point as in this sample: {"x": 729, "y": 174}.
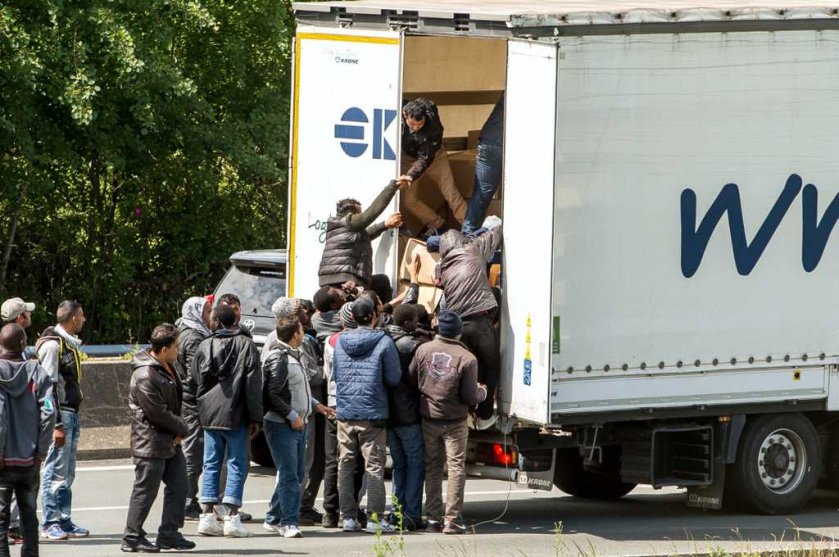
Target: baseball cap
{"x": 14, "y": 307}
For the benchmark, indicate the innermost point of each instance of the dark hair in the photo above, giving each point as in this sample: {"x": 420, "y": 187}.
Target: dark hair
{"x": 307, "y": 306}
{"x": 346, "y": 206}
{"x": 380, "y": 284}
{"x": 13, "y": 338}
{"x": 416, "y": 109}
{"x": 325, "y": 299}
{"x": 404, "y": 314}
{"x": 67, "y": 310}
{"x": 287, "y": 328}
{"x": 162, "y": 336}
{"x": 363, "y": 310}
{"x": 230, "y": 299}
{"x": 422, "y": 315}
{"x": 225, "y": 315}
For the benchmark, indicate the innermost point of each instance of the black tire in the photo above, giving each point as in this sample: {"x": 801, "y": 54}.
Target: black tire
{"x": 260, "y": 453}
{"x": 777, "y": 468}
{"x": 602, "y": 484}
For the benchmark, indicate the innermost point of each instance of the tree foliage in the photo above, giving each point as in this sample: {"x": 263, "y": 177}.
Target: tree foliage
{"x": 142, "y": 143}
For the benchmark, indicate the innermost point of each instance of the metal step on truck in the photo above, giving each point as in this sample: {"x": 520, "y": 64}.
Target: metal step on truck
{"x": 669, "y": 195}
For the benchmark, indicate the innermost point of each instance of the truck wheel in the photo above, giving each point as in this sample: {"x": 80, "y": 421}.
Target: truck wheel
{"x": 603, "y": 484}
{"x": 777, "y": 466}
{"x": 260, "y": 453}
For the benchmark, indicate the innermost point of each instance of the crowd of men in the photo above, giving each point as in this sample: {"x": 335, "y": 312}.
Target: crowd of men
{"x": 342, "y": 379}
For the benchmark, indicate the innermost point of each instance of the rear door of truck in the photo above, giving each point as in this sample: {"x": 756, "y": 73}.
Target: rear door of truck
{"x": 529, "y": 168}
{"x": 344, "y": 139}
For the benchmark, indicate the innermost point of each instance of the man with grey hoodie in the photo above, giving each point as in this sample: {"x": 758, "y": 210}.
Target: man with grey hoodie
{"x": 26, "y": 401}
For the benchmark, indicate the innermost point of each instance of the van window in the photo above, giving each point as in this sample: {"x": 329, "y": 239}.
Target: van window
{"x": 257, "y": 288}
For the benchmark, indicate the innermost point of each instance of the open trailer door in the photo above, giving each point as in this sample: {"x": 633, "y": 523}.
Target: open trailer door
{"x": 529, "y": 169}
{"x": 344, "y": 139}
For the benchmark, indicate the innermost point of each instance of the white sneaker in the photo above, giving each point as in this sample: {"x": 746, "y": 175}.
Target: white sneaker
{"x": 209, "y": 525}
{"x": 375, "y": 527}
{"x": 483, "y": 425}
{"x": 290, "y": 531}
{"x": 233, "y": 527}
{"x": 351, "y": 525}
{"x": 270, "y": 527}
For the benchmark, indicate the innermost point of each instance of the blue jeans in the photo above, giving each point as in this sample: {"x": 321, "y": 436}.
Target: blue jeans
{"x": 407, "y": 451}
{"x": 288, "y": 448}
{"x": 60, "y": 472}
{"x": 487, "y": 177}
{"x": 235, "y": 443}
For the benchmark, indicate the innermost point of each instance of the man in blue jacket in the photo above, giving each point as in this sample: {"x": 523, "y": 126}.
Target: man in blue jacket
{"x": 365, "y": 361}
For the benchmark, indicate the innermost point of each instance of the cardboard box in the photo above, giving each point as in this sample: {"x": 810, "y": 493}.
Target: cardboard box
{"x": 429, "y": 296}
{"x": 495, "y": 208}
{"x": 428, "y": 261}
{"x": 463, "y": 170}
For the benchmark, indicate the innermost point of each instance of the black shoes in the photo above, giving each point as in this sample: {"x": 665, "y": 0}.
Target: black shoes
{"x": 179, "y": 544}
{"x": 310, "y": 517}
{"x": 140, "y": 546}
{"x": 192, "y": 512}
{"x": 329, "y": 520}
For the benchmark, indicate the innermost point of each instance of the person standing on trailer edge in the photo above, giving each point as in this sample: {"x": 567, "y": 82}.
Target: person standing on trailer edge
{"x": 347, "y": 252}
{"x": 462, "y": 273}
{"x": 423, "y": 156}
{"x": 488, "y": 166}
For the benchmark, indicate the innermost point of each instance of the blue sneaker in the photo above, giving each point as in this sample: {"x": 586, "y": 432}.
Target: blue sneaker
{"x": 74, "y": 531}
{"x": 54, "y": 532}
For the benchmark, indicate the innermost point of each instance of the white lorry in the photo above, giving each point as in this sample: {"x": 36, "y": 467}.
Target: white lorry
{"x": 669, "y": 191}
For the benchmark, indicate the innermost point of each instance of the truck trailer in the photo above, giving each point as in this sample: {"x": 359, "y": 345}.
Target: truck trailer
{"x": 669, "y": 195}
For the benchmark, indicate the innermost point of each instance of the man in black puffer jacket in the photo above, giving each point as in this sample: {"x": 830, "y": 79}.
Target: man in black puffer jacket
{"x": 348, "y": 252}
{"x": 227, "y": 373}
{"x": 404, "y": 434}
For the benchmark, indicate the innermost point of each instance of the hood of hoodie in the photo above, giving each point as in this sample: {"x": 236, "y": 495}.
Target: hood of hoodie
{"x": 223, "y": 353}
{"x": 396, "y": 332}
{"x": 14, "y": 377}
{"x": 360, "y": 342}
{"x": 450, "y": 240}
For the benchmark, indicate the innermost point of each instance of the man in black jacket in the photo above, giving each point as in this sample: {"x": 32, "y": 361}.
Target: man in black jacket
{"x": 228, "y": 377}
{"x": 157, "y": 428}
{"x": 348, "y": 252}
{"x": 193, "y": 328}
{"x": 423, "y": 156}
{"x": 404, "y": 434}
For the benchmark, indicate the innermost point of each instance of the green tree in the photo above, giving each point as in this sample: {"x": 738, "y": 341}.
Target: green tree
{"x": 142, "y": 143}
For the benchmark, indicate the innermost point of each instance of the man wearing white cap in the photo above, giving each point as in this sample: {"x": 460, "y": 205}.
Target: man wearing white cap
{"x": 15, "y": 310}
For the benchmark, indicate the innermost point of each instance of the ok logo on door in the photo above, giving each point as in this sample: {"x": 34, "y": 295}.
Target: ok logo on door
{"x": 352, "y": 132}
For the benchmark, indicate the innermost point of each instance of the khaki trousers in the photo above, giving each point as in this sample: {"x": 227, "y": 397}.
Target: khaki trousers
{"x": 440, "y": 173}
{"x": 445, "y": 444}
{"x": 367, "y": 439}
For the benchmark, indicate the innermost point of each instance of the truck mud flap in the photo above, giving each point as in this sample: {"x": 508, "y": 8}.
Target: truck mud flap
{"x": 709, "y": 497}
{"x": 537, "y": 469}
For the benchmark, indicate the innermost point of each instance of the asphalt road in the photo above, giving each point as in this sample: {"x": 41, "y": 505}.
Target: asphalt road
{"x": 646, "y": 522}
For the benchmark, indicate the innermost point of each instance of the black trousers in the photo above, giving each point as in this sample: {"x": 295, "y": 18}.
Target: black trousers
{"x": 314, "y": 475}
{"x": 482, "y": 340}
{"x": 330, "y": 475}
{"x": 148, "y": 474}
{"x": 193, "y": 448}
{"x": 24, "y": 484}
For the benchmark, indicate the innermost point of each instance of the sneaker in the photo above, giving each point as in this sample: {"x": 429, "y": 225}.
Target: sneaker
{"x": 483, "y": 425}
{"x": 329, "y": 520}
{"x": 233, "y": 527}
{"x": 433, "y": 527}
{"x": 310, "y": 517}
{"x": 362, "y": 518}
{"x": 54, "y": 532}
{"x": 453, "y": 528}
{"x": 383, "y": 527}
{"x": 140, "y": 546}
{"x": 351, "y": 525}
{"x": 192, "y": 512}
{"x": 73, "y": 530}
{"x": 245, "y": 517}
{"x": 178, "y": 544}
{"x": 210, "y": 525}
{"x": 275, "y": 528}
{"x": 15, "y": 535}
{"x": 290, "y": 531}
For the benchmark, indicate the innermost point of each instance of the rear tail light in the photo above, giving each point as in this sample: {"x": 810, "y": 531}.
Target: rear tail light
{"x": 496, "y": 454}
